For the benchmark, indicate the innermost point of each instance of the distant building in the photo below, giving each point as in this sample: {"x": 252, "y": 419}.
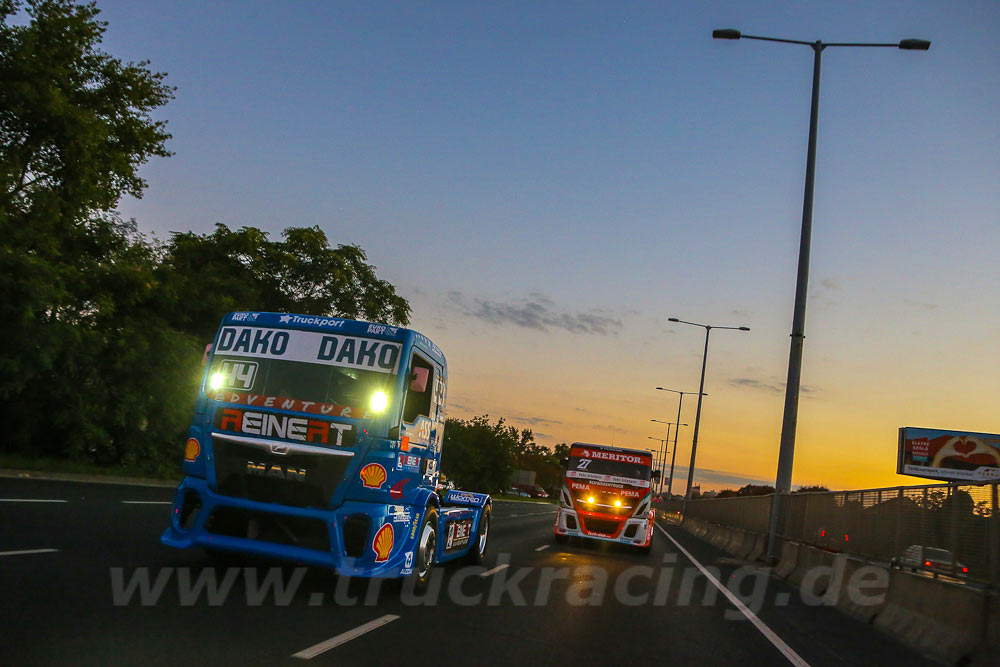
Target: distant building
{"x": 696, "y": 490}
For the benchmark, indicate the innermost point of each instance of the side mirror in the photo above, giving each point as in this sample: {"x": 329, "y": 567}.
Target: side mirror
{"x": 655, "y": 474}
{"x": 204, "y": 355}
{"x": 394, "y": 433}
{"x": 418, "y": 379}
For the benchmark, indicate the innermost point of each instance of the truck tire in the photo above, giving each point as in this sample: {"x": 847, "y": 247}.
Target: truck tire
{"x": 425, "y": 551}
{"x": 477, "y": 551}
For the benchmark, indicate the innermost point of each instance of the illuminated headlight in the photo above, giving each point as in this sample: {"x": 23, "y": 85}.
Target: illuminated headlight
{"x": 590, "y": 500}
{"x": 618, "y": 503}
{"x": 215, "y": 382}
{"x": 379, "y": 402}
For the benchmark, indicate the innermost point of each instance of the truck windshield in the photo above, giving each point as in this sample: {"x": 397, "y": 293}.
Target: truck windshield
{"x": 588, "y": 468}
{"x": 296, "y": 386}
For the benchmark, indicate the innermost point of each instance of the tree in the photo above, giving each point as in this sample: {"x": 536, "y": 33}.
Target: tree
{"x": 747, "y": 490}
{"x": 245, "y": 270}
{"x": 75, "y": 126}
{"x": 102, "y": 329}
{"x": 478, "y": 455}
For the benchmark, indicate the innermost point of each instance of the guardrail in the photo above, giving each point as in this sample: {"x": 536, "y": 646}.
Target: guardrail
{"x": 946, "y": 529}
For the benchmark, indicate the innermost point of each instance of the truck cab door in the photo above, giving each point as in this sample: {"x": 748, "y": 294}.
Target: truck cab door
{"x": 421, "y": 428}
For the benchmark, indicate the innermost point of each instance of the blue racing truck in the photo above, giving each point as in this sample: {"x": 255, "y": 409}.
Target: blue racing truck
{"x": 318, "y": 440}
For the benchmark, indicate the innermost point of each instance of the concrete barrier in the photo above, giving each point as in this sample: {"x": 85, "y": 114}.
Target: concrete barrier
{"x": 988, "y": 652}
{"x": 789, "y": 558}
{"x": 858, "y": 588}
{"x": 719, "y": 535}
{"x": 731, "y": 545}
{"x": 809, "y": 559}
{"x": 746, "y": 545}
{"x": 944, "y": 620}
{"x": 759, "y": 547}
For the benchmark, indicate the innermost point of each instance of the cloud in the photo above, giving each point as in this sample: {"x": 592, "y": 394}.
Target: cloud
{"x": 738, "y": 312}
{"x": 757, "y": 384}
{"x": 830, "y": 284}
{"x": 715, "y": 479}
{"x": 534, "y": 421}
{"x": 773, "y": 386}
{"x": 537, "y": 312}
{"x": 921, "y": 304}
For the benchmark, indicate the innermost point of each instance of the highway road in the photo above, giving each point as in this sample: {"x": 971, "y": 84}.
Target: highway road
{"x": 68, "y": 552}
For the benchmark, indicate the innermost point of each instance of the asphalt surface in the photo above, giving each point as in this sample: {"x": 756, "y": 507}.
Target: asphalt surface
{"x": 60, "y": 607}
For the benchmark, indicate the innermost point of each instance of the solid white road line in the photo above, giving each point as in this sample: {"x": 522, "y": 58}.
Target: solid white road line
{"x": 344, "y": 637}
{"x": 148, "y": 502}
{"x": 488, "y": 573}
{"x": 543, "y": 547}
{"x": 31, "y": 500}
{"x": 778, "y": 642}
{"x": 28, "y": 551}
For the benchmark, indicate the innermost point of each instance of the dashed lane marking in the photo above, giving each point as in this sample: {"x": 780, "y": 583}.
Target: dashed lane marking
{"x": 25, "y": 552}
{"x": 489, "y": 573}
{"x": 543, "y": 547}
{"x": 344, "y": 637}
{"x": 31, "y": 500}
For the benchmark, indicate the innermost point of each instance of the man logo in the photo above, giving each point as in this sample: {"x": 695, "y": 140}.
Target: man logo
{"x": 275, "y": 471}
{"x": 279, "y": 449}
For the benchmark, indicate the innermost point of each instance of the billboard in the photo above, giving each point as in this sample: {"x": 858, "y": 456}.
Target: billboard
{"x": 948, "y": 455}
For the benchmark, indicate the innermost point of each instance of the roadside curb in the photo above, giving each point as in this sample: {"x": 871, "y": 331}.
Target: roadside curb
{"x": 9, "y": 473}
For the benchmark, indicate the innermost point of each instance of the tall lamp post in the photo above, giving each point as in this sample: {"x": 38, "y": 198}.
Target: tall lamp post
{"x": 673, "y": 457}
{"x": 662, "y": 453}
{"x": 667, "y": 446}
{"x": 786, "y": 453}
{"x": 701, "y": 393}
{"x": 657, "y": 457}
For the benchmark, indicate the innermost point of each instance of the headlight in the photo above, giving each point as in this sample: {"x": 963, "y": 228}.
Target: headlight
{"x": 379, "y": 402}
{"x": 618, "y": 503}
{"x": 590, "y": 500}
{"x": 215, "y": 382}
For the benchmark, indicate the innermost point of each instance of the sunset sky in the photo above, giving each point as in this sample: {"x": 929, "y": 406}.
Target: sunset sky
{"x": 547, "y": 183}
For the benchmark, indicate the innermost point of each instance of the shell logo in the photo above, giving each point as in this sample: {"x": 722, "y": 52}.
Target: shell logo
{"x": 373, "y": 475}
{"x": 382, "y": 543}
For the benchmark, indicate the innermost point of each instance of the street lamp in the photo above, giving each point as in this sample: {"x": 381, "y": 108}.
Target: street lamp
{"x": 674, "y": 455}
{"x": 786, "y": 452}
{"x": 701, "y": 393}
{"x": 656, "y": 452}
{"x": 680, "y": 401}
{"x": 661, "y": 453}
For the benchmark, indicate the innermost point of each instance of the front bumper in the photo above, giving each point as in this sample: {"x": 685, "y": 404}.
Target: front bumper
{"x": 637, "y": 531}
{"x": 324, "y": 547}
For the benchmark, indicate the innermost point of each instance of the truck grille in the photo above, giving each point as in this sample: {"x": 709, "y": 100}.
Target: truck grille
{"x": 248, "y": 472}
{"x": 602, "y": 526}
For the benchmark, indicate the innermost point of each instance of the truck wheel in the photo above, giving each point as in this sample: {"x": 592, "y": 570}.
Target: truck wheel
{"x": 477, "y": 552}
{"x": 426, "y": 549}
